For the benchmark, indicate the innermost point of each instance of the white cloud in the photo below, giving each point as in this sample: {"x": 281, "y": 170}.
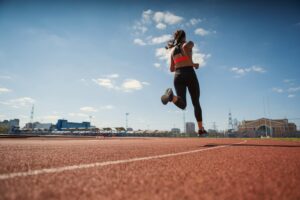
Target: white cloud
{"x": 112, "y": 76}
{"x": 145, "y": 83}
{"x": 161, "y": 26}
{"x": 200, "y": 57}
{"x": 258, "y": 69}
{"x": 291, "y": 96}
{"x": 107, "y": 107}
{"x": 167, "y": 18}
{"x": 161, "y": 19}
{"x": 153, "y": 40}
{"x": 105, "y": 82}
{"x": 161, "y": 39}
{"x": 278, "y": 90}
{"x": 4, "y": 90}
{"x": 146, "y": 16}
{"x": 201, "y": 32}
{"x": 131, "y": 84}
{"x": 88, "y": 109}
{"x": 289, "y": 81}
{"x": 294, "y": 89}
{"x": 163, "y": 54}
{"x": 20, "y": 102}
{"x": 139, "y": 41}
{"x": 140, "y": 28}
{"x": 126, "y": 86}
{"x": 239, "y": 71}
{"x": 158, "y": 16}
{"x": 157, "y": 65}
{"x": 194, "y": 21}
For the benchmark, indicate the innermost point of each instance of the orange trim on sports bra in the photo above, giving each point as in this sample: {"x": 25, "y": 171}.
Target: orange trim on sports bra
{"x": 180, "y": 59}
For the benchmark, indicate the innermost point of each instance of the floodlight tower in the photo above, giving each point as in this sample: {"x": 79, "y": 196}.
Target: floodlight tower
{"x": 230, "y": 124}
{"x": 126, "y": 115}
{"x": 270, "y": 123}
{"x": 214, "y": 126}
{"x": 90, "y": 119}
{"x": 31, "y": 117}
{"x": 184, "y": 131}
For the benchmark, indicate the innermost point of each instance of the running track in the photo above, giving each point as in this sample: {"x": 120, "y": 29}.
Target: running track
{"x": 149, "y": 168}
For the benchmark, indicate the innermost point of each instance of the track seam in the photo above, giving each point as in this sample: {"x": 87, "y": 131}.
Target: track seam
{"x": 102, "y": 164}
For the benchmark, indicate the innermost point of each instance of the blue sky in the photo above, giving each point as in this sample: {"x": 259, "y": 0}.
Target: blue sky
{"x": 75, "y": 59}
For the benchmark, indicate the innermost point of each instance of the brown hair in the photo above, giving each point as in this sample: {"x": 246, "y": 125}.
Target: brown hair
{"x": 178, "y": 37}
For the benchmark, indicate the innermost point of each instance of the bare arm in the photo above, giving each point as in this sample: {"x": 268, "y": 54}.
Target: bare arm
{"x": 189, "y": 44}
{"x": 172, "y": 64}
{"x": 188, "y": 49}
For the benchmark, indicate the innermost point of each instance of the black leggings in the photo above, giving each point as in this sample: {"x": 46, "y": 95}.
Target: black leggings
{"x": 186, "y": 77}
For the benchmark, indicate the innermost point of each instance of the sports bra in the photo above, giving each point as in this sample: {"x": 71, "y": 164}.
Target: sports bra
{"x": 176, "y": 51}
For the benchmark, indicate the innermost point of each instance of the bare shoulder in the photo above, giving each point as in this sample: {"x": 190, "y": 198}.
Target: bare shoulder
{"x": 171, "y": 51}
{"x": 188, "y": 45}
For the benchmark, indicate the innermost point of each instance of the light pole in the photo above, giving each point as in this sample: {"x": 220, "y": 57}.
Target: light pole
{"x": 126, "y": 115}
{"x": 90, "y": 119}
{"x": 184, "y": 131}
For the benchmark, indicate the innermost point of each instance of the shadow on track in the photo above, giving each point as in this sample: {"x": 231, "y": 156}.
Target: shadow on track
{"x": 252, "y": 145}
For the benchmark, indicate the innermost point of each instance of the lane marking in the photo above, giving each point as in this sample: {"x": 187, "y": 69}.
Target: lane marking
{"x": 101, "y": 164}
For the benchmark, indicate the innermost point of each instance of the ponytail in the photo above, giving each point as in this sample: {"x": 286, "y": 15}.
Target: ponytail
{"x": 177, "y": 39}
{"x": 171, "y": 44}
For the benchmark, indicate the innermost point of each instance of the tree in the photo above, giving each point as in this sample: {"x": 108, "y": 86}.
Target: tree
{"x": 3, "y": 129}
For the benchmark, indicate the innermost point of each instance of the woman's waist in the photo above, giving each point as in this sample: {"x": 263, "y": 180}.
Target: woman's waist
{"x": 184, "y": 68}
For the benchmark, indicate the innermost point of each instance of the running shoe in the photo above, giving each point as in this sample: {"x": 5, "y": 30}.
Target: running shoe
{"x": 167, "y": 97}
{"x": 202, "y": 132}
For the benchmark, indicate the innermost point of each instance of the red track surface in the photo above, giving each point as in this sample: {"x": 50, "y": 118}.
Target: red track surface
{"x": 257, "y": 169}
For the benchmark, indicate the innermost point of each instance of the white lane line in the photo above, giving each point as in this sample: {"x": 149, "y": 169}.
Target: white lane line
{"x": 101, "y": 164}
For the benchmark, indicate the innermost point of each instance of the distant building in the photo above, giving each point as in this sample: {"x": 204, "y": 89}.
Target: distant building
{"x": 10, "y": 126}
{"x": 129, "y": 129}
{"x": 175, "y": 130}
{"x": 120, "y": 129}
{"x": 212, "y": 131}
{"x": 38, "y": 126}
{"x": 64, "y": 124}
{"x": 28, "y": 126}
{"x": 43, "y": 126}
{"x": 190, "y": 127}
{"x": 266, "y": 127}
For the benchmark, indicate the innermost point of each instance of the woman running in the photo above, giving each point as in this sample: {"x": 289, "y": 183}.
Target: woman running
{"x": 185, "y": 76}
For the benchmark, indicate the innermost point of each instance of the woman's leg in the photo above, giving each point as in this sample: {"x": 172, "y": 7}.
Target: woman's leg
{"x": 194, "y": 90}
{"x": 180, "y": 87}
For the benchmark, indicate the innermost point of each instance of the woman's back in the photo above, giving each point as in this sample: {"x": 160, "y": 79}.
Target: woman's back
{"x": 182, "y": 54}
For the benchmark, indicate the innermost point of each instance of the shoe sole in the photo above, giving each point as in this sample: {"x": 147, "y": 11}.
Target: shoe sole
{"x": 163, "y": 97}
{"x": 168, "y": 92}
